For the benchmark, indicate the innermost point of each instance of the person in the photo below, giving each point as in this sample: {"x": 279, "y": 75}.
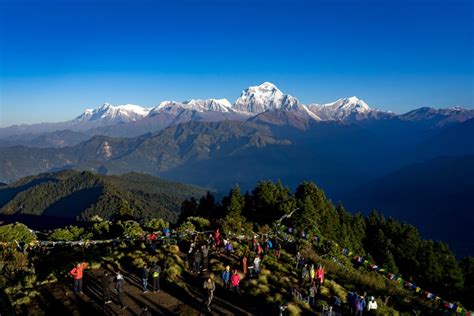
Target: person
{"x": 351, "y": 300}
{"x": 119, "y": 287}
{"x": 235, "y": 280}
{"x": 155, "y": 274}
{"x": 372, "y": 306}
{"x": 244, "y": 264}
{"x": 304, "y": 274}
{"x": 360, "y": 305}
{"x": 197, "y": 261}
{"x": 313, "y": 290}
{"x": 145, "y": 311}
{"x": 320, "y": 276}
{"x": 217, "y": 236}
{"x": 254, "y": 243}
{"x": 77, "y": 272}
{"x": 226, "y": 277}
{"x": 205, "y": 257}
{"x": 277, "y": 249}
{"x": 298, "y": 260}
{"x": 209, "y": 286}
{"x": 106, "y": 283}
{"x": 312, "y": 274}
{"x": 229, "y": 248}
{"x": 256, "y": 265}
{"x": 145, "y": 275}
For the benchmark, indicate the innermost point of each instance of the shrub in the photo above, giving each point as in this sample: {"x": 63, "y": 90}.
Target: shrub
{"x": 18, "y": 232}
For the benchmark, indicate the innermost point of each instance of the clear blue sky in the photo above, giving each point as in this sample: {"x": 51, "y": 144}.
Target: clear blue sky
{"x": 60, "y": 57}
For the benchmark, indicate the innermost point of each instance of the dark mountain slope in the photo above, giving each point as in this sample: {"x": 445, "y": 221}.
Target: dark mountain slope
{"x": 435, "y": 195}
{"x": 81, "y": 195}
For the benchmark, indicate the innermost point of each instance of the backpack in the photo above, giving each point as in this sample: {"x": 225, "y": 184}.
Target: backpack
{"x": 156, "y": 274}
{"x": 270, "y": 245}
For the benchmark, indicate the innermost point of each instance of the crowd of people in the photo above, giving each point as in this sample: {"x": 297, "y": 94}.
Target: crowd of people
{"x": 201, "y": 246}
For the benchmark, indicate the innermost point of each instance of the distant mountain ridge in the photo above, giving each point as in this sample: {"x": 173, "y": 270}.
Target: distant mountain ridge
{"x": 133, "y": 120}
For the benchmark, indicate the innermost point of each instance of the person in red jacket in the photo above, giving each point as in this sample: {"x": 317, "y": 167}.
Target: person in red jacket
{"x": 77, "y": 272}
{"x": 235, "y": 280}
{"x": 319, "y": 277}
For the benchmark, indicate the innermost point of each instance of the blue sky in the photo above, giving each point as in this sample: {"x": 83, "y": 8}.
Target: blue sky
{"x": 59, "y": 57}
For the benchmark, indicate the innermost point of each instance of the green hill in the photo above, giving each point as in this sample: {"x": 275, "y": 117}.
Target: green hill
{"x": 81, "y": 195}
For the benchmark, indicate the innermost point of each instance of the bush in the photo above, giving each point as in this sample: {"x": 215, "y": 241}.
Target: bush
{"x": 18, "y": 232}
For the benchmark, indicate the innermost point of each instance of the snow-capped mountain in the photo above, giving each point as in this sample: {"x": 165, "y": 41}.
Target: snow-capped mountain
{"x": 267, "y": 96}
{"x": 114, "y": 113}
{"x": 215, "y": 105}
{"x": 346, "y": 109}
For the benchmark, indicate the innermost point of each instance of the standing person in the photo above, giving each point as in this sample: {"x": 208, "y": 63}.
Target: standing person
{"x": 312, "y": 274}
{"x": 205, "y": 257}
{"x": 217, "y": 238}
{"x": 197, "y": 261}
{"x": 155, "y": 274}
{"x": 256, "y": 265}
{"x": 360, "y": 305}
{"x": 77, "y": 272}
{"x": 244, "y": 264}
{"x": 226, "y": 277}
{"x": 320, "y": 276}
{"x": 372, "y": 306}
{"x": 298, "y": 260}
{"x": 145, "y": 275}
{"x": 119, "y": 287}
{"x": 304, "y": 274}
{"x": 209, "y": 286}
{"x": 313, "y": 290}
{"x": 277, "y": 249}
{"x": 235, "y": 280}
{"x": 106, "y": 283}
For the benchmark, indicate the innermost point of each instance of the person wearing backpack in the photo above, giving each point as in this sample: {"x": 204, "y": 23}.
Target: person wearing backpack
{"x": 226, "y": 277}
{"x": 106, "y": 283}
{"x": 155, "y": 274}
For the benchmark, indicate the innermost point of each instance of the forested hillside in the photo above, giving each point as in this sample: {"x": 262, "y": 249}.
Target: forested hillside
{"x": 81, "y": 195}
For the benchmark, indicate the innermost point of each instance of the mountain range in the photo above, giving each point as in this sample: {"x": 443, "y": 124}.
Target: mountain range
{"x": 348, "y": 148}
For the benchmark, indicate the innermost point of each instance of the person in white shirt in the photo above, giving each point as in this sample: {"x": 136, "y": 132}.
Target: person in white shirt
{"x": 372, "y": 306}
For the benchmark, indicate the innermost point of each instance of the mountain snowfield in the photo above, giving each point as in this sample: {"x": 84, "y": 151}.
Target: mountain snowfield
{"x": 252, "y": 101}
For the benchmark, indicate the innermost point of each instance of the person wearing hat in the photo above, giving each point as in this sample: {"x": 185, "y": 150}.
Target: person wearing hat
{"x": 226, "y": 277}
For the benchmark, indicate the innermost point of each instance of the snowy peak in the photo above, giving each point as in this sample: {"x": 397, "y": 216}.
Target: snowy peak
{"x": 351, "y": 108}
{"x": 110, "y": 113}
{"x": 215, "y": 105}
{"x": 267, "y": 96}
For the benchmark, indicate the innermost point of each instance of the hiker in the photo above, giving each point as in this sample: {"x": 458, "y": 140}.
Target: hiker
{"x": 235, "y": 280}
{"x": 119, "y": 287}
{"x": 351, "y": 300}
{"x": 360, "y": 305}
{"x": 229, "y": 248}
{"x": 244, "y": 264}
{"x": 372, "y": 306}
{"x": 205, "y": 257}
{"x": 304, "y": 274}
{"x": 268, "y": 245}
{"x": 313, "y": 290}
{"x": 277, "y": 249}
{"x": 256, "y": 265}
{"x": 197, "y": 261}
{"x": 209, "y": 286}
{"x": 320, "y": 276}
{"x": 145, "y": 275}
{"x": 155, "y": 275}
{"x": 254, "y": 243}
{"x": 106, "y": 283}
{"x": 312, "y": 274}
{"x": 77, "y": 272}
{"x": 226, "y": 277}
{"x": 145, "y": 311}
{"x": 298, "y": 260}
{"x": 217, "y": 239}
